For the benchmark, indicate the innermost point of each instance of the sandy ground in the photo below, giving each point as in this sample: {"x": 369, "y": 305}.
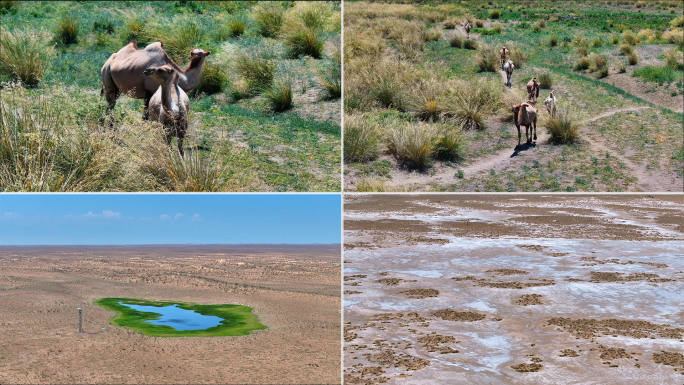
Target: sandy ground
{"x": 514, "y": 289}
{"x": 294, "y": 292}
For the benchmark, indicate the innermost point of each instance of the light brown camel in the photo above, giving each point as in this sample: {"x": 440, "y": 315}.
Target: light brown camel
{"x": 468, "y": 27}
{"x": 172, "y": 114}
{"x": 533, "y": 89}
{"x": 550, "y": 103}
{"x": 123, "y": 72}
{"x": 525, "y": 115}
{"x": 503, "y": 54}
{"x": 508, "y": 68}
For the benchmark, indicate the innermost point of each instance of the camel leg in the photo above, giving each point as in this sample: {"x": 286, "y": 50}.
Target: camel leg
{"x": 535, "y": 129}
{"x": 519, "y": 135}
{"x": 180, "y": 145}
{"x": 146, "y": 112}
{"x": 528, "y": 134}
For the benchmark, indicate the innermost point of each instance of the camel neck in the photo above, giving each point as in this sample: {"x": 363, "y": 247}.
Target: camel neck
{"x": 167, "y": 99}
{"x": 188, "y": 79}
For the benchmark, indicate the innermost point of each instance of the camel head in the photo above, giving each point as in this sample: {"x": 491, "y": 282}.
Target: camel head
{"x": 515, "y": 109}
{"x": 160, "y": 74}
{"x": 534, "y": 80}
{"x": 199, "y": 52}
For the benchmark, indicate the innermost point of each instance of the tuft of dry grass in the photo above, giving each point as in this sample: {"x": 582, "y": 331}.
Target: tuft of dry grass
{"x": 412, "y": 144}
{"x": 488, "y": 58}
{"x": 457, "y": 40}
{"x": 675, "y": 58}
{"x": 362, "y": 139}
{"x": 25, "y": 55}
{"x": 517, "y": 55}
{"x": 632, "y": 58}
{"x": 469, "y": 103}
{"x": 269, "y": 17}
{"x": 257, "y": 72}
{"x": 67, "y": 31}
{"x": 279, "y": 96}
{"x": 545, "y": 81}
{"x": 563, "y": 127}
{"x": 630, "y": 38}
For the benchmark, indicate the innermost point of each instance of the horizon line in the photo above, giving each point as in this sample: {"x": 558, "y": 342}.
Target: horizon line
{"x": 181, "y": 244}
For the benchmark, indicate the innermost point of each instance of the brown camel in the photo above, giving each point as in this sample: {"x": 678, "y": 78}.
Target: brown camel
{"x": 172, "y": 114}
{"x": 525, "y": 115}
{"x": 503, "y": 54}
{"x": 123, "y": 72}
{"x": 533, "y": 89}
{"x": 468, "y": 27}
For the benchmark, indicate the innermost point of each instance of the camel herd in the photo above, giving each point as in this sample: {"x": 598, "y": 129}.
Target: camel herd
{"x": 150, "y": 74}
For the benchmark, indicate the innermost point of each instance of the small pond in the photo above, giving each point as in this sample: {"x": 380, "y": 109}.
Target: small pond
{"x": 178, "y": 318}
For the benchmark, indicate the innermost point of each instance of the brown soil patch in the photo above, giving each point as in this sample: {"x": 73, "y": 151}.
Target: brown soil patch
{"x": 390, "y": 281}
{"x": 613, "y": 353}
{"x": 354, "y": 277}
{"x": 670, "y": 358}
{"x": 593, "y": 261}
{"x": 420, "y": 293}
{"x": 529, "y": 299}
{"x": 352, "y": 292}
{"x": 389, "y": 359}
{"x": 410, "y": 317}
{"x": 464, "y": 316}
{"x": 533, "y": 247}
{"x": 522, "y": 368}
{"x": 590, "y": 328}
{"x": 599, "y": 276}
{"x": 432, "y": 343}
{"x": 507, "y": 271}
{"x": 569, "y": 353}
{"x": 411, "y": 226}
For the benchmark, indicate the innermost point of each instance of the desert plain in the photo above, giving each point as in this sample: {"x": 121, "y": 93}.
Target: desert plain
{"x": 514, "y": 289}
{"x": 294, "y": 290}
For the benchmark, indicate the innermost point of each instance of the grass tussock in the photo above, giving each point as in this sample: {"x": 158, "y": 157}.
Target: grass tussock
{"x": 426, "y": 101}
{"x": 179, "y": 36}
{"x": 237, "y": 26}
{"x": 303, "y": 41}
{"x": 633, "y": 58}
{"x": 412, "y": 144}
{"x": 660, "y": 75}
{"x": 545, "y": 81}
{"x": 553, "y": 41}
{"x": 470, "y": 44}
{"x": 279, "y": 96}
{"x": 675, "y": 36}
{"x": 457, "y": 40}
{"x": 135, "y": 28}
{"x": 451, "y": 143}
{"x": 212, "y": 80}
{"x": 494, "y": 14}
{"x": 630, "y": 38}
{"x": 675, "y": 58}
{"x": 626, "y": 49}
{"x": 362, "y": 139}
{"x": 487, "y": 58}
{"x": 67, "y": 31}
{"x": 25, "y": 55}
{"x": 564, "y": 127}
{"x": 256, "y": 72}
{"x": 470, "y": 102}
{"x": 331, "y": 76}
{"x": 269, "y": 17}
{"x": 517, "y": 55}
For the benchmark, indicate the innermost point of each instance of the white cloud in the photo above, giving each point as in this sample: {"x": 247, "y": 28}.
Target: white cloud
{"x": 11, "y": 215}
{"x": 178, "y": 216}
{"x": 164, "y": 217}
{"x": 196, "y": 218}
{"x": 108, "y": 214}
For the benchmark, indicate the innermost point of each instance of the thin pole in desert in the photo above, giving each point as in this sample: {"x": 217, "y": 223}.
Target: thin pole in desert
{"x": 80, "y": 320}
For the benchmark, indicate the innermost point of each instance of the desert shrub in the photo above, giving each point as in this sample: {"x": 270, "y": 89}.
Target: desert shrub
{"x": 279, "y": 96}
{"x": 494, "y": 14}
{"x": 553, "y": 41}
{"x": 431, "y": 35}
{"x": 470, "y": 44}
{"x": 303, "y": 41}
{"x": 630, "y": 38}
{"x": 212, "y": 80}
{"x": 517, "y": 55}
{"x": 469, "y": 103}
{"x": 25, "y": 55}
{"x": 257, "y": 72}
{"x": 67, "y": 31}
{"x": 450, "y": 24}
{"x": 237, "y": 26}
{"x": 564, "y": 127}
{"x": 675, "y": 36}
{"x": 135, "y": 28}
{"x": 674, "y": 58}
{"x": 632, "y": 58}
{"x": 451, "y": 142}
{"x": 457, "y": 40}
{"x": 597, "y": 62}
{"x": 104, "y": 26}
{"x": 648, "y": 36}
{"x": 269, "y": 18}
{"x": 545, "y": 81}
{"x": 597, "y": 43}
{"x": 626, "y": 49}
{"x": 362, "y": 139}
{"x": 412, "y": 144}
{"x": 582, "y": 63}
{"x": 488, "y": 59}
{"x": 479, "y": 23}
{"x": 621, "y": 68}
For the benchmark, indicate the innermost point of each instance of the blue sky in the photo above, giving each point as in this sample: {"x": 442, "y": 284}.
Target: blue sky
{"x": 115, "y": 219}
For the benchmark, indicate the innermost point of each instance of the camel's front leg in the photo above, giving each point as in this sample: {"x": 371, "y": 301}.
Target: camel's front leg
{"x": 535, "y": 129}
{"x": 146, "y": 112}
{"x": 519, "y": 134}
{"x": 528, "y": 134}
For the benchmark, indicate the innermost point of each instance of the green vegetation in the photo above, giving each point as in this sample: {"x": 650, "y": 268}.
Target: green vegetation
{"x": 238, "y": 320}
{"x": 235, "y": 140}
{"x": 660, "y": 75}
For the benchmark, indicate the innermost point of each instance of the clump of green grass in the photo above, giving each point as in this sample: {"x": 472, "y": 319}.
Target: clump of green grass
{"x": 237, "y": 26}
{"x": 615, "y": 40}
{"x": 8, "y": 7}
{"x": 362, "y": 139}
{"x": 451, "y": 143}
{"x": 582, "y": 63}
{"x": 179, "y": 36}
{"x": 269, "y": 18}
{"x": 257, "y": 72}
{"x": 457, "y": 40}
{"x": 25, "y": 55}
{"x": 450, "y": 24}
{"x": 67, "y": 31}
{"x": 545, "y": 81}
{"x": 412, "y": 144}
{"x": 632, "y": 58}
{"x": 135, "y": 28}
{"x": 104, "y": 26}
{"x": 479, "y": 23}
{"x": 564, "y": 127}
{"x": 488, "y": 59}
{"x": 431, "y": 35}
{"x": 331, "y": 77}
{"x": 497, "y": 29}
{"x": 470, "y": 44}
{"x": 494, "y": 14}
{"x": 212, "y": 80}
{"x": 469, "y": 103}
{"x": 660, "y": 75}
{"x": 304, "y": 41}
{"x": 597, "y": 43}
{"x": 518, "y": 55}
{"x": 279, "y": 96}
{"x": 538, "y": 25}
{"x": 553, "y": 41}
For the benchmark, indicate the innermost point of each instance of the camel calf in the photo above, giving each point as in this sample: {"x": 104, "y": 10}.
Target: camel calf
{"x": 172, "y": 114}
{"x": 509, "y": 67}
{"x": 468, "y": 27}
{"x": 533, "y": 89}
{"x": 503, "y": 54}
{"x": 550, "y": 103}
{"x": 525, "y": 115}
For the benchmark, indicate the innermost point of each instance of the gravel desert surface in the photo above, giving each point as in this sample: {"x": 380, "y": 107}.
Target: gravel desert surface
{"x": 295, "y": 292}
{"x": 514, "y": 289}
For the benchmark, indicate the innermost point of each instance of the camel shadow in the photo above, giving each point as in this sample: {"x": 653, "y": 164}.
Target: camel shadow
{"x": 523, "y": 147}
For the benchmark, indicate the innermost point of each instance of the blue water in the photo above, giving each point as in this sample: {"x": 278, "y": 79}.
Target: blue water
{"x": 178, "y": 318}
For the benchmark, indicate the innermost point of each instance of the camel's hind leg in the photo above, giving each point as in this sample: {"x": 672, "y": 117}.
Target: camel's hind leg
{"x": 534, "y": 122}
{"x": 146, "y": 108}
{"x": 519, "y": 135}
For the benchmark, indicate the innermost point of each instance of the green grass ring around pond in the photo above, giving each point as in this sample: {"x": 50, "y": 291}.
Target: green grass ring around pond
{"x": 237, "y": 320}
